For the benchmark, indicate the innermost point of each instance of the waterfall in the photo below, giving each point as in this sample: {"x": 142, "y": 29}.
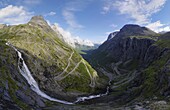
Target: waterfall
{"x": 23, "y": 68}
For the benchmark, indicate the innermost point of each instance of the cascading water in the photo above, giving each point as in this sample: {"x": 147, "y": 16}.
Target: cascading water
{"x": 34, "y": 86}
{"x": 31, "y": 81}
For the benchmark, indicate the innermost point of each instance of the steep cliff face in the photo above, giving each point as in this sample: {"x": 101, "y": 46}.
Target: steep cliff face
{"x": 136, "y": 60}
{"x": 128, "y": 45}
{"x": 15, "y": 93}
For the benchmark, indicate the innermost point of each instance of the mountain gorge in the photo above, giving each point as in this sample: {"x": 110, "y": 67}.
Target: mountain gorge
{"x": 136, "y": 59}
{"x": 40, "y": 70}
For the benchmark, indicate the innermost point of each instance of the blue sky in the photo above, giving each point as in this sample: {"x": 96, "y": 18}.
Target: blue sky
{"x": 90, "y": 19}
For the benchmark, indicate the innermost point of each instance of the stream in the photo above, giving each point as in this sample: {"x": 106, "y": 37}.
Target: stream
{"x": 23, "y": 68}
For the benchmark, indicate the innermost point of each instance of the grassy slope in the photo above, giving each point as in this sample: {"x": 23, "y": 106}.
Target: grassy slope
{"x": 49, "y": 52}
{"x": 155, "y": 71}
{"x": 145, "y": 37}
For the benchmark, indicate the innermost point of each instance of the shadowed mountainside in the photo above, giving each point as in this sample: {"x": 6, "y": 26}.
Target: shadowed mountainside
{"x": 138, "y": 60}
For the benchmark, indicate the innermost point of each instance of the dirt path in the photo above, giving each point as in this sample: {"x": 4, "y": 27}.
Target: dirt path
{"x": 92, "y": 84}
{"x": 65, "y": 70}
{"x": 125, "y": 80}
{"x": 60, "y": 77}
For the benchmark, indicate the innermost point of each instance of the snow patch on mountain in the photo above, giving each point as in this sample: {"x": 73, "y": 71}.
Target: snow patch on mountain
{"x": 71, "y": 40}
{"x": 111, "y": 35}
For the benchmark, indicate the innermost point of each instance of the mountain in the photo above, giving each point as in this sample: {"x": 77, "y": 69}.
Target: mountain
{"x": 130, "y": 42}
{"x": 136, "y": 61}
{"x": 35, "y": 63}
{"x": 74, "y": 42}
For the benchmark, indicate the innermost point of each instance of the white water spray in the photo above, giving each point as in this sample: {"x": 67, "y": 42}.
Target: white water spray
{"x": 34, "y": 86}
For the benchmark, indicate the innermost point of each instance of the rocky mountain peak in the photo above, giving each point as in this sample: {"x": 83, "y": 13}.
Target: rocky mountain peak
{"x": 134, "y": 30}
{"x": 39, "y": 20}
{"x": 130, "y": 27}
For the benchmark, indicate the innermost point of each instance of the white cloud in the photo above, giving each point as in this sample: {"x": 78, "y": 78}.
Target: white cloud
{"x": 155, "y": 26}
{"x": 70, "y": 19}
{"x": 165, "y": 29}
{"x": 158, "y": 27}
{"x": 138, "y": 10}
{"x": 106, "y": 9}
{"x": 108, "y": 5}
{"x": 50, "y": 14}
{"x": 70, "y": 10}
{"x": 67, "y": 36}
{"x": 113, "y": 25}
{"x": 70, "y": 38}
{"x": 14, "y": 15}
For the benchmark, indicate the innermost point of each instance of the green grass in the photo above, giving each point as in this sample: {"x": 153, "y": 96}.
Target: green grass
{"x": 81, "y": 84}
{"x": 151, "y": 76}
{"x": 132, "y": 65}
{"x": 163, "y": 43}
{"x": 80, "y": 51}
{"x": 145, "y": 37}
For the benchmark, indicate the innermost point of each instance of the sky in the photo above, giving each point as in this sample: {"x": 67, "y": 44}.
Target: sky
{"x": 89, "y": 19}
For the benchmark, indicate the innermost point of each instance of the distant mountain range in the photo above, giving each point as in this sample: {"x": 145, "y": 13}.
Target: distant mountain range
{"x": 74, "y": 42}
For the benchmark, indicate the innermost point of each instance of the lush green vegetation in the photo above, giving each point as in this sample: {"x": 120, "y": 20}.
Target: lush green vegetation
{"x": 163, "y": 43}
{"x": 45, "y": 52}
{"x": 145, "y": 37}
{"x": 131, "y": 65}
{"x": 153, "y": 71}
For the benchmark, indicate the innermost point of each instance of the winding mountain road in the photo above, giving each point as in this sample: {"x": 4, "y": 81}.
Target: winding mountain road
{"x": 63, "y": 75}
{"x": 125, "y": 80}
{"x": 59, "y": 77}
{"x": 65, "y": 70}
{"x": 23, "y": 68}
{"x": 92, "y": 84}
